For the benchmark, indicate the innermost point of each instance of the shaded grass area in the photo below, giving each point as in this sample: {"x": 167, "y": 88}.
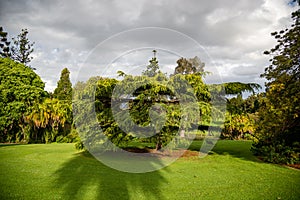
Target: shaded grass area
{"x": 58, "y": 171}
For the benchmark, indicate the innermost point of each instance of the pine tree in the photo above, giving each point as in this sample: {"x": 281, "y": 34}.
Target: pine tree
{"x": 4, "y": 44}
{"x": 153, "y": 67}
{"x": 22, "y": 48}
{"x": 64, "y": 86}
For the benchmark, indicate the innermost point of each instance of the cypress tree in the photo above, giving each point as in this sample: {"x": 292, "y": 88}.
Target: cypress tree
{"x": 63, "y": 90}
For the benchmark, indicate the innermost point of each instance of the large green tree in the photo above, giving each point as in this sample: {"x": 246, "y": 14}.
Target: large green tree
{"x": 277, "y": 133}
{"x": 63, "y": 90}
{"x": 20, "y": 90}
{"x": 152, "y": 112}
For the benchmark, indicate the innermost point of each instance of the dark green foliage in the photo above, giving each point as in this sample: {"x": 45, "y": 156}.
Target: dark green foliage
{"x": 166, "y": 105}
{"x": 238, "y": 105}
{"x": 103, "y": 97}
{"x": 63, "y": 90}
{"x": 152, "y": 101}
{"x": 26, "y": 114}
{"x": 68, "y": 135}
{"x": 278, "y": 128}
{"x": 22, "y": 48}
{"x": 20, "y": 90}
{"x": 94, "y": 121}
{"x": 239, "y": 88}
{"x": 241, "y": 113}
{"x": 277, "y": 152}
{"x": 4, "y": 44}
{"x": 149, "y": 109}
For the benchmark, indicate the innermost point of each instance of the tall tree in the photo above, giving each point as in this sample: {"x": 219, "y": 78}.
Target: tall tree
{"x": 153, "y": 67}
{"x": 63, "y": 90}
{"x": 22, "y": 48}
{"x": 20, "y": 90}
{"x": 277, "y": 133}
{"x": 4, "y": 44}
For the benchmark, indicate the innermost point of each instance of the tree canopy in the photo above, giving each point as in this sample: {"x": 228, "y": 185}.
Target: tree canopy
{"x": 238, "y": 88}
{"x": 20, "y": 89}
{"x": 151, "y": 107}
{"x": 63, "y": 90}
{"x": 277, "y": 132}
{"x": 27, "y": 114}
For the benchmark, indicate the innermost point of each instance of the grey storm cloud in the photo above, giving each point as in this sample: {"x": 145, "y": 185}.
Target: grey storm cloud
{"x": 233, "y": 33}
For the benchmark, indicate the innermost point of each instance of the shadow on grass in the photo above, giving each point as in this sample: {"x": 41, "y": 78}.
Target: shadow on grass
{"x": 84, "y": 177}
{"x": 10, "y": 144}
{"x": 236, "y": 148}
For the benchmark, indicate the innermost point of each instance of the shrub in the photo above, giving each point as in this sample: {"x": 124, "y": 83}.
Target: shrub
{"x": 277, "y": 153}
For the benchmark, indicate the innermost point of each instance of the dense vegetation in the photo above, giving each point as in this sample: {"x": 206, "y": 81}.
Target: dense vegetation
{"x": 28, "y": 114}
{"x": 153, "y": 108}
{"x": 122, "y": 117}
{"x": 277, "y": 137}
{"x": 20, "y": 90}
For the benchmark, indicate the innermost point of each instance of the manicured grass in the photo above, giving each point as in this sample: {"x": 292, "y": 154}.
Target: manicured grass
{"x": 58, "y": 171}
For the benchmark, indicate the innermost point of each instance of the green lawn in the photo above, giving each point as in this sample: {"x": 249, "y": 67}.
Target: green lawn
{"x": 58, "y": 171}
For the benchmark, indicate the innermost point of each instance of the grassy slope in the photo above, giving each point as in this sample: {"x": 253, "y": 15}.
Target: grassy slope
{"x": 58, "y": 171}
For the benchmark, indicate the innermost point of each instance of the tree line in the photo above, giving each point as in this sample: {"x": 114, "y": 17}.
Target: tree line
{"x": 29, "y": 114}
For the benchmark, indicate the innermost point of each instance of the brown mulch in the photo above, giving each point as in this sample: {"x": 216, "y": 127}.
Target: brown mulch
{"x": 166, "y": 153}
{"x": 296, "y": 166}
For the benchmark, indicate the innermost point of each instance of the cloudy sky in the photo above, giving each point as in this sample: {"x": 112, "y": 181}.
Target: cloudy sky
{"x": 100, "y": 37}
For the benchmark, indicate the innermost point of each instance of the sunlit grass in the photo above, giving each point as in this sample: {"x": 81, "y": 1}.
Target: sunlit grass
{"x": 58, "y": 171}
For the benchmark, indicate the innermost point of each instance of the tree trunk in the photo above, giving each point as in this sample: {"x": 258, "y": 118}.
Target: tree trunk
{"x": 158, "y": 142}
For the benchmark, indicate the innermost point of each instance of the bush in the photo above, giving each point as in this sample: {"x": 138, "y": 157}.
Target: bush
{"x": 277, "y": 153}
{"x": 238, "y": 126}
{"x": 70, "y": 138}
{"x": 278, "y": 125}
{"x": 79, "y": 145}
